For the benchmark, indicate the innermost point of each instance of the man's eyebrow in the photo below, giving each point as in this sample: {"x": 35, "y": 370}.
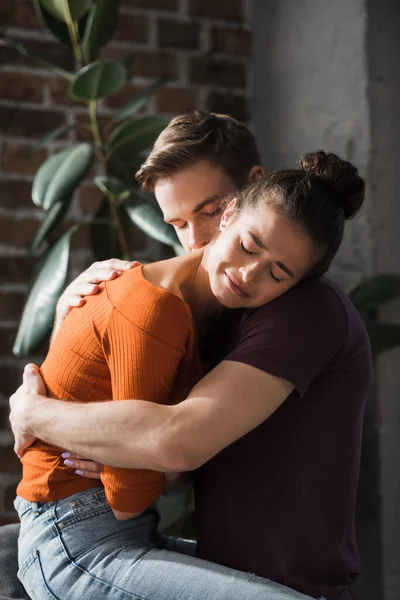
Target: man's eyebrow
{"x": 200, "y": 206}
{"x": 280, "y": 264}
{"x": 204, "y": 203}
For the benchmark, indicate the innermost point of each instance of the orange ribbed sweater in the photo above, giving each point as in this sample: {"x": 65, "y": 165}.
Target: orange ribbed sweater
{"x": 131, "y": 340}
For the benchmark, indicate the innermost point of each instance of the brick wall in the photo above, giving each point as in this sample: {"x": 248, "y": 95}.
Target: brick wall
{"x": 202, "y": 46}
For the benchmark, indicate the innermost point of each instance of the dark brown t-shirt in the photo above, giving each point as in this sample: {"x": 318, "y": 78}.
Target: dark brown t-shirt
{"x": 280, "y": 501}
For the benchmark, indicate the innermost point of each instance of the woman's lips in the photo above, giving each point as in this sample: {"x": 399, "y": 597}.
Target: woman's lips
{"x": 235, "y": 287}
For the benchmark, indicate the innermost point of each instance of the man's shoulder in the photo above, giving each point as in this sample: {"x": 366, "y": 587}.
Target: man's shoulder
{"x": 314, "y": 301}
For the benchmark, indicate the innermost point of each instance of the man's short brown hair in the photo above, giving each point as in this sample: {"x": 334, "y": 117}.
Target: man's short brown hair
{"x": 199, "y": 135}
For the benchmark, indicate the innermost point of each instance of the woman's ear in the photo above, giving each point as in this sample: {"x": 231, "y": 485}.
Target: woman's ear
{"x": 227, "y": 215}
{"x": 256, "y": 173}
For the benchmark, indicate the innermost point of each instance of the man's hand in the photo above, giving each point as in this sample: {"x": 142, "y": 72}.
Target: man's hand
{"x": 86, "y": 284}
{"x": 32, "y": 385}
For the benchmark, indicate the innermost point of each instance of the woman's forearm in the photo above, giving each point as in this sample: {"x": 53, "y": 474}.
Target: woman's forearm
{"x": 129, "y": 433}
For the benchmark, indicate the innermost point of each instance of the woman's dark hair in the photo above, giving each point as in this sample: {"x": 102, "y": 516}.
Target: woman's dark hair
{"x": 199, "y": 135}
{"x": 319, "y": 196}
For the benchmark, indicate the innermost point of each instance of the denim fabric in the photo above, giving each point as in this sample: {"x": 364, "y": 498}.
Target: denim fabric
{"x": 75, "y": 549}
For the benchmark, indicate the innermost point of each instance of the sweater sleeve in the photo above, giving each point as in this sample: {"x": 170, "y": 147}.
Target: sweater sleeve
{"x": 143, "y": 365}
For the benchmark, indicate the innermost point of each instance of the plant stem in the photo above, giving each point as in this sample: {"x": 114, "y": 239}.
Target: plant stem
{"x": 120, "y": 232}
{"x": 92, "y": 105}
{"x": 72, "y": 30}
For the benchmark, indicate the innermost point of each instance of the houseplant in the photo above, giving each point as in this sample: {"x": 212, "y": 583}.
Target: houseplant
{"x": 110, "y": 160}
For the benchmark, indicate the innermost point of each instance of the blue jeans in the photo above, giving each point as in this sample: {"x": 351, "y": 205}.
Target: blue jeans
{"x": 76, "y": 549}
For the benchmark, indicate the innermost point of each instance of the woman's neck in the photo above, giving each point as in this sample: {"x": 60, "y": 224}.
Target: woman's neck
{"x": 196, "y": 289}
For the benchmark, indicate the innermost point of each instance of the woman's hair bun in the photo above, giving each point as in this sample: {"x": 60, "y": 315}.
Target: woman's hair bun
{"x": 338, "y": 174}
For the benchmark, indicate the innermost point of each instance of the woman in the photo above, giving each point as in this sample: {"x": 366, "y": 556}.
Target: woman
{"x": 307, "y": 209}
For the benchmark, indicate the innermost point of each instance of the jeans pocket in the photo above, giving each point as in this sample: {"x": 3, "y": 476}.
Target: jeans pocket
{"x": 32, "y": 578}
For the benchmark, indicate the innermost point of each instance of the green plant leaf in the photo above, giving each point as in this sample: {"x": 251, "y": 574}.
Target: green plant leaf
{"x": 124, "y": 169}
{"x": 99, "y": 79}
{"x": 78, "y": 8}
{"x": 46, "y": 287}
{"x": 103, "y": 235}
{"x": 51, "y": 219}
{"x": 58, "y": 29}
{"x": 61, "y": 174}
{"x": 138, "y": 101}
{"x": 44, "y": 175}
{"x": 102, "y": 21}
{"x": 49, "y": 137}
{"x": 149, "y": 219}
{"x": 112, "y": 186}
{"x": 372, "y": 293}
{"x": 135, "y": 136}
{"x": 383, "y": 337}
{"x": 41, "y": 61}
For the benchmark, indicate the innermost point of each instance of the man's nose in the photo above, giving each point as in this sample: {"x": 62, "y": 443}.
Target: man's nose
{"x": 196, "y": 239}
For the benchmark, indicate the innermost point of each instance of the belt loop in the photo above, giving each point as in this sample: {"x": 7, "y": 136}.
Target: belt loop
{"x": 35, "y": 508}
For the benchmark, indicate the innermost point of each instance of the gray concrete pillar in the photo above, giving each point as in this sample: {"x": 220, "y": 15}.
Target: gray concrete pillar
{"x": 326, "y": 76}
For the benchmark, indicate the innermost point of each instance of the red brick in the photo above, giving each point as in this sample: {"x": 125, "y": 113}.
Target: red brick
{"x": 89, "y": 197}
{"x": 115, "y": 52}
{"x": 80, "y": 240}
{"x": 7, "y": 337}
{"x": 217, "y": 9}
{"x": 176, "y": 100}
{"x": 178, "y": 34}
{"x": 123, "y": 96}
{"x": 11, "y": 306}
{"x": 132, "y": 28}
{"x": 10, "y": 379}
{"x": 156, "y": 64}
{"x": 22, "y": 88}
{"x": 9, "y": 461}
{"x": 236, "y": 106}
{"x": 59, "y": 54}
{"x": 16, "y": 269}
{"x": 17, "y": 232}
{"x": 21, "y": 13}
{"x": 231, "y": 41}
{"x": 218, "y": 72}
{"x": 16, "y": 157}
{"x": 15, "y": 194}
{"x": 149, "y": 64}
{"x": 156, "y": 4}
{"x": 29, "y": 122}
{"x": 59, "y": 92}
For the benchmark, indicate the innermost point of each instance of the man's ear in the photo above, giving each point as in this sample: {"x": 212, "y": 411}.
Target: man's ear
{"x": 256, "y": 173}
{"x": 227, "y": 215}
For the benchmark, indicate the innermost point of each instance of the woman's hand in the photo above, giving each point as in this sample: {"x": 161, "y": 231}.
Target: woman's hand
{"x": 86, "y": 284}
{"x": 82, "y": 466}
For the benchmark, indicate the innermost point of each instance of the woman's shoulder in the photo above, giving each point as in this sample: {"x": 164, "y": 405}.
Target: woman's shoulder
{"x": 147, "y": 303}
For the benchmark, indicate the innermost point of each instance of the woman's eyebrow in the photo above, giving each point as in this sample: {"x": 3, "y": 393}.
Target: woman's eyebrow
{"x": 280, "y": 264}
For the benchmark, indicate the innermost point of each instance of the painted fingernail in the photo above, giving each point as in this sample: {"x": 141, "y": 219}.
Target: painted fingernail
{"x": 65, "y": 455}
{"x": 69, "y": 463}
{"x": 78, "y": 472}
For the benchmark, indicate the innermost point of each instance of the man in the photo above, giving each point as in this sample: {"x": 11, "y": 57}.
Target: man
{"x": 251, "y": 512}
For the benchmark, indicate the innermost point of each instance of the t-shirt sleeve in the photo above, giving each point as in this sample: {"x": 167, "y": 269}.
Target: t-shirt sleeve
{"x": 295, "y": 336}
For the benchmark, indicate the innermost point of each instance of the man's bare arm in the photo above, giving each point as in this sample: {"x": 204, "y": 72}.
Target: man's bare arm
{"x": 225, "y": 405}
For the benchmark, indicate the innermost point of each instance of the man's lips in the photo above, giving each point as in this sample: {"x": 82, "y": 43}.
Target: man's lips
{"x": 235, "y": 287}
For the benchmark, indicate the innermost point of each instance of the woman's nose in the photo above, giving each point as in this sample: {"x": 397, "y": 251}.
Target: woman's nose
{"x": 249, "y": 272}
